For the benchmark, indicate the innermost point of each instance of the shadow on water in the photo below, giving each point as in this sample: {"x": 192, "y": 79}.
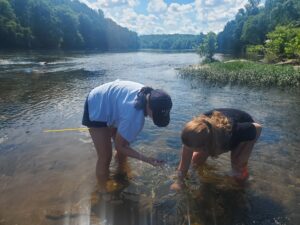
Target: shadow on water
{"x": 218, "y": 200}
{"x": 213, "y": 199}
{"x": 118, "y": 207}
{"x": 123, "y": 204}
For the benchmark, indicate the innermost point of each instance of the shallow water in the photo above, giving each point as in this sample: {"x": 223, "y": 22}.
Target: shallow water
{"x": 48, "y": 178}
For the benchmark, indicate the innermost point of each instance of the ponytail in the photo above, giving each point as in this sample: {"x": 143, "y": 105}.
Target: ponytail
{"x": 141, "y": 101}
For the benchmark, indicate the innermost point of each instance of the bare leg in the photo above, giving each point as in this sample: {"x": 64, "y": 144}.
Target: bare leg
{"x": 120, "y": 158}
{"x": 240, "y": 156}
{"x": 122, "y": 162}
{"x": 199, "y": 158}
{"x": 239, "y": 160}
{"x": 102, "y": 142}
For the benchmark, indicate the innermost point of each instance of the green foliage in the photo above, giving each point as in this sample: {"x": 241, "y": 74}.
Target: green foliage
{"x": 253, "y": 30}
{"x": 119, "y": 37}
{"x": 252, "y": 7}
{"x": 69, "y": 23}
{"x": 53, "y": 24}
{"x": 281, "y": 12}
{"x": 12, "y": 34}
{"x": 292, "y": 48}
{"x": 282, "y": 43}
{"x": 255, "y": 50}
{"x": 250, "y": 26}
{"x": 45, "y": 29}
{"x": 245, "y": 73}
{"x": 208, "y": 48}
{"x": 6, "y": 10}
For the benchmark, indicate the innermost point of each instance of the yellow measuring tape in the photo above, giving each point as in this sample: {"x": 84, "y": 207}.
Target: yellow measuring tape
{"x": 68, "y": 129}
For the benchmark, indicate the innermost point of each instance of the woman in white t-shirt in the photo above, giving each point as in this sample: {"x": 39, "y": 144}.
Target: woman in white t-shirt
{"x": 117, "y": 110}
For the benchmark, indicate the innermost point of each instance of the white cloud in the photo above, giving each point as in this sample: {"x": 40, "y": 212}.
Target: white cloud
{"x": 138, "y": 22}
{"x": 210, "y": 2}
{"x": 177, "y": 8}
{"x": 110, "y": 3}
{"x": 179, "y": 18}
{"x": 198, "y": 16}
{"x": 156, "y": 6}
{"x": 217, "y": 10}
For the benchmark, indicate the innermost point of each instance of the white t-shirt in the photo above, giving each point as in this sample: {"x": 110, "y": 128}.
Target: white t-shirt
{"x": 113, "y": 103}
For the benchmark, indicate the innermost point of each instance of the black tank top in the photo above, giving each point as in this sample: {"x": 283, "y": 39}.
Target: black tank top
{"x": 242, "y": 127}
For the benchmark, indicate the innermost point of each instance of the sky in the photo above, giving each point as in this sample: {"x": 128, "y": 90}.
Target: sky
{"x": 169, "y": 17}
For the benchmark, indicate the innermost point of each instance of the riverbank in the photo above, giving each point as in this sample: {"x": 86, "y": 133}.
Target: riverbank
{"x": 243, "y": 72}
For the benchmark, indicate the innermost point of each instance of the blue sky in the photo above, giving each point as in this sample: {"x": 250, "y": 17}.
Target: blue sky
{"x": 169, "y": 17}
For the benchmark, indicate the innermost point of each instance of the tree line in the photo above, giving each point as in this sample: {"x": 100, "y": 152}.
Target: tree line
{"x": 272, "y": 30}
{"x": 171, "y": 41}
{"x": 60, "y": 24}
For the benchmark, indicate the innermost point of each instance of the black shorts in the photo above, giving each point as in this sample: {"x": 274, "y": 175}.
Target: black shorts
{"x": 86, "y": 119}
{"x": 242, "y": 132}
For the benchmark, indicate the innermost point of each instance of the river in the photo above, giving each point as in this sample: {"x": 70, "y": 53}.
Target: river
{"x": 49, "y": 178}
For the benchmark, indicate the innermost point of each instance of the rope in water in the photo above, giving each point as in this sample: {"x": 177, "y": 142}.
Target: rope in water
{"x": 68, "y": 129}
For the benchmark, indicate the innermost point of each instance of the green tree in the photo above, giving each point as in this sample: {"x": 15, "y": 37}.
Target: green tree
{"x": 45, "y": 26}
{"x": 253, "y": 32}
{"x": 208, "y": 48}
{"x": 52, "y": 24}
{"x": 282, "y": 43}
{"x": 251, "y": 25}
{"x": 292, "y": 48}
{"x": 281, "y": 12}
{"x": 69, "y": 24}
{"x": 6, "y": 10}
{"x": 252, "y": 7}
{"x": 229, "y": 40}
{"x": 12, "y": 34}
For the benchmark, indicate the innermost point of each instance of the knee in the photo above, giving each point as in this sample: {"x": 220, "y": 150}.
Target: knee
{"x": 199, "y": 158}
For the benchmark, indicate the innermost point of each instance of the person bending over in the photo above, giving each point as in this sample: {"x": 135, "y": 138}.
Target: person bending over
{"x": 216, "y": 132}
{"x": 116, "y": 111}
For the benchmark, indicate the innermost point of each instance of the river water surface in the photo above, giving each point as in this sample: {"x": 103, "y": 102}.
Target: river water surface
{"x": 48, "y": 178}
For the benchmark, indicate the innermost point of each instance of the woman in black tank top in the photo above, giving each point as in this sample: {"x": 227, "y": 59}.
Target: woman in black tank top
{"x": 213, "y": 133}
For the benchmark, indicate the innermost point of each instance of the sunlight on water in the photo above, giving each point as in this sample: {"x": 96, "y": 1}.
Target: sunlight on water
{"x": 48, "y": 178}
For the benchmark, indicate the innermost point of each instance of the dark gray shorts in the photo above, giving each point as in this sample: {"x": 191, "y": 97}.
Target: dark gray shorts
{"x": 86, "y": 119}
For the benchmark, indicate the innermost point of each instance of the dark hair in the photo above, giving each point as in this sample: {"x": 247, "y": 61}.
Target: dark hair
{"x": 141, "y": 101}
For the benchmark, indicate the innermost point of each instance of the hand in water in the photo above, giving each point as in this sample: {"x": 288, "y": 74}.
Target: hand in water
{"x": 155, "y": 162}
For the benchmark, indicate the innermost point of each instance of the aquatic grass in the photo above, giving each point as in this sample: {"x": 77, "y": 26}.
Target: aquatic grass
{"x": 246, "y": 73}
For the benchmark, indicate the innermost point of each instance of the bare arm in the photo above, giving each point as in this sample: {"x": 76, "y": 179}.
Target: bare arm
{"x": 123, "y": 147}
{"x": 185, "y": 161}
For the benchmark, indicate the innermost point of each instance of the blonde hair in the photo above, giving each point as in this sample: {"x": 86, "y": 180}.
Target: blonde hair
{"x": 212, "y": 134}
